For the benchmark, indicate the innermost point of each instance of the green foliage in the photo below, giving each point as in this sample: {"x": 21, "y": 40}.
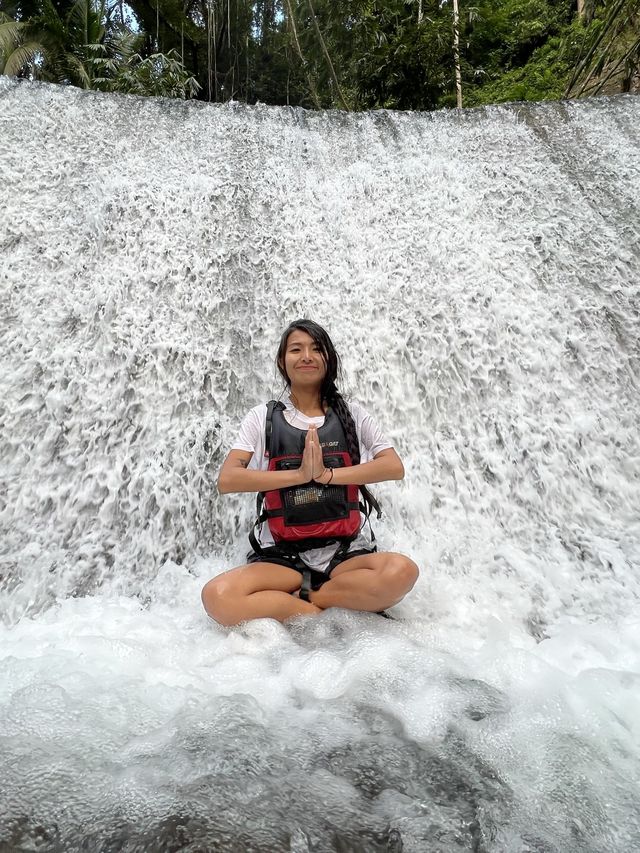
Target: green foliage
{"x": 51, "y": 47}
{"x": 514, "y": 51}
{"x": 504, "y": 34}
{"x": 159, "y": 75}
{"x": 523, "y": 50}
{"x": 406, "y": 64}
{"x": 15, "y": 48}
{"x": 543, "y": 77}
{"x": 610, "y": 49}
{"x": 80, "y": 43}
{"x": 382, "y": 54}
{"x": 352, "y": 54}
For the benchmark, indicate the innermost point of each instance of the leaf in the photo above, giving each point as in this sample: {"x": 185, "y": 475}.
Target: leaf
{"x": 10, "y": 34}
{"x": 23, "y": 56}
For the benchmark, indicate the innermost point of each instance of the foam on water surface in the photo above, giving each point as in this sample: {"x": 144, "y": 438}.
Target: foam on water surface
{"x": 479, "y": 274}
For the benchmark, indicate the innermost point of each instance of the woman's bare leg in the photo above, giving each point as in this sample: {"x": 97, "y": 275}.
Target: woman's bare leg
{"x": 369, "y": 582}
{"x": 255, "y": 591}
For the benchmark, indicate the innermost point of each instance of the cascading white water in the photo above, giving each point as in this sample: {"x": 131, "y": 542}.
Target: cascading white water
{"x": 479, "y": 272}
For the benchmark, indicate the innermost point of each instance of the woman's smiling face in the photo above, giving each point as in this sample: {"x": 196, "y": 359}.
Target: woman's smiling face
{"x": 304, "y": 362}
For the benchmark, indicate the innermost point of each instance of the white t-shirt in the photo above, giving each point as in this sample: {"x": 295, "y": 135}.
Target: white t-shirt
{"x": 251, "y": 438}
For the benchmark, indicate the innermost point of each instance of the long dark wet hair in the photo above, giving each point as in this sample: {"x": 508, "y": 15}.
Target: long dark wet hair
{"x": 328, "y": 391}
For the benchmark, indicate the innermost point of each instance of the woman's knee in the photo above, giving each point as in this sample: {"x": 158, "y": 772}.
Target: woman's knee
{"x": 401, "y": 571}
{"x": 215, "y": 595}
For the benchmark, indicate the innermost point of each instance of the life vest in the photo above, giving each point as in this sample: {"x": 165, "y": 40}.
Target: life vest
{"x": 310, "y": 515}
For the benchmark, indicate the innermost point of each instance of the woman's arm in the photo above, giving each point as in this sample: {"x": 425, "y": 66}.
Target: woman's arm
{"x": 385, "y": 465}
{"x": 236, "y": 477}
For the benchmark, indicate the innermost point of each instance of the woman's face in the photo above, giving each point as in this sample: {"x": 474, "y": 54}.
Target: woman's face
{"x": 304, "y": 363}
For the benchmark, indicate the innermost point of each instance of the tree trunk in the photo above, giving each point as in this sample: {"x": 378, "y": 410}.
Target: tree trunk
{"x": 294, "y": 31}
{"x": 456, "y": 53}
{"x": 268, "y": 17}
{"x": 209, "y": 54}
{"x": 332, "y": 71}
{"x": 215, "y": 55}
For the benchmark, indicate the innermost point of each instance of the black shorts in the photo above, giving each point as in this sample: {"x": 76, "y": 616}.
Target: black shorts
{"x": 294, "y": 561}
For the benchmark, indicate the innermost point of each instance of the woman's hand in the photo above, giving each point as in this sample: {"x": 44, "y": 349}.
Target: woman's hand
{"x": 308, "y": 457}
{"x": 318, "y": 461}
{"x": 312, "y": 465}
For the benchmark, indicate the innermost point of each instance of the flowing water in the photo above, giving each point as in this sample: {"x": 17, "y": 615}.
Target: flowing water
{"x": 479, "y": 272}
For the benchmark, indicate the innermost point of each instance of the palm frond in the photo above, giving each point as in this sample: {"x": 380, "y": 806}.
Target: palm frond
{"x": 85, "y": 20}
{"x": 10, "y": 34}
{"x": 23, "y": 57}
{"x": 78, "y": 70}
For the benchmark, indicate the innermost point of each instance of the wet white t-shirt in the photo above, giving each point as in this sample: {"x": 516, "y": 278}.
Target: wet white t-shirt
{"x": 251, "y": 437}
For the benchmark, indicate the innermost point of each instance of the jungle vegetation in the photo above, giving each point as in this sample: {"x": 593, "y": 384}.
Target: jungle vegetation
{"x": 356, "y": 55}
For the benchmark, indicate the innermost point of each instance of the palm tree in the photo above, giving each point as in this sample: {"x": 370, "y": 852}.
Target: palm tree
{"x": 55, "y": 47}
{"x": 19, "y": 49}
{"x": 88, "y": 46}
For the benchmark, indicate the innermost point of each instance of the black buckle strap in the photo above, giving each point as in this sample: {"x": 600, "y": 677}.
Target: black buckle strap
{"x": 338, "y": 556}
{"x": 257, "y": 547}
{"x": 271, "y": 405}
{"x": 370, "y": 503}
{"x": 305, "y": 586}
{"x": 365, "y": 509}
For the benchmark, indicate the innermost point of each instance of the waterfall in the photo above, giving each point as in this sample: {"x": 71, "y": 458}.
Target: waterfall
{"x": 479, "y": 273}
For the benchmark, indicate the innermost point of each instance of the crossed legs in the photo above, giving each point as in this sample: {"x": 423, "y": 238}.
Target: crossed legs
{"x": 369, "y": 582}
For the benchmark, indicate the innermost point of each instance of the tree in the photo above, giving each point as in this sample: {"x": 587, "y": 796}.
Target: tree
{"x": 456, "y": 53}
{"x": 610, "y": 49}
{"x": 383, "y": 54}
{"x": 86, "y": 44}
{"x": 514, "y": 50}
{"x": 350, "y": 54}
{"x": 55, "y": 43}
{"x": 159, "y": 75}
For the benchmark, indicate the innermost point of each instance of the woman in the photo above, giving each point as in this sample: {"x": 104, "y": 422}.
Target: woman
{"x": 303, "y": 455}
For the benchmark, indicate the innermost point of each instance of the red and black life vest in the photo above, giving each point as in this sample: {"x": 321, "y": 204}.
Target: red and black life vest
{"x": 310, "y": 515}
